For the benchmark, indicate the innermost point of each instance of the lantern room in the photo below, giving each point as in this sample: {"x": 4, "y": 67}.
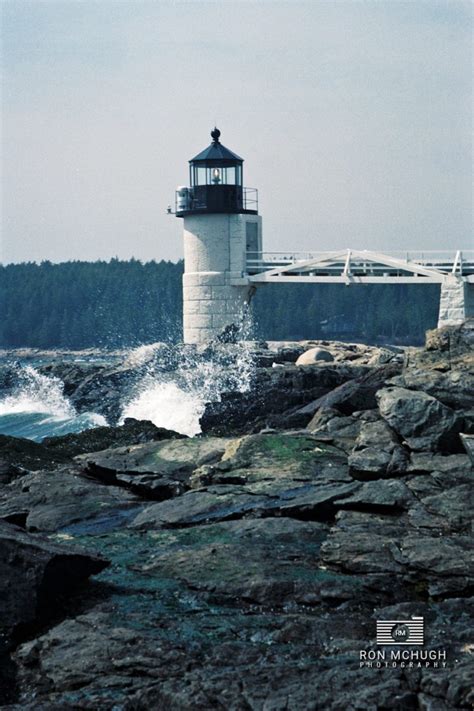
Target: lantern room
{"x": 215, "y": 183}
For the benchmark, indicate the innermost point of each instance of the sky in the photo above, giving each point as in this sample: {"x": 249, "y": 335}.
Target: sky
{"x": 354, "y": 120}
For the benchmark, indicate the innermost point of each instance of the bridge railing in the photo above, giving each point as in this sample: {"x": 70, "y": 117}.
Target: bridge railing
{"x": 460, "y": 261}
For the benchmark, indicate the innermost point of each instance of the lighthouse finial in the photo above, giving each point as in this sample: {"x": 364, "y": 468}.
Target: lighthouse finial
{"x": 215, "y": 133}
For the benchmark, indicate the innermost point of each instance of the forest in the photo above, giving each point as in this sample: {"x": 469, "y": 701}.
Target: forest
{"x": 128, "y": 303}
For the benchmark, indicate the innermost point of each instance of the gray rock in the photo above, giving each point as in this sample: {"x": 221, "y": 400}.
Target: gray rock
{"x": 454, "y": 389}
{"x": 420, "y": 419}
{"x": 51, "y": 501}
{"x": 391, "y": 496}
{"x": 448, "y": 348}
{"x": 99, "y": 438}
{"x": 276, "y": 398}
{"x": 155, "y": 470}
{"x": 399, "y": 556}
{"x": 450, "y": 509}
{"x": 34, "y": 573}
{"x": 342, "y": 430}
{"x": 468, "y": 444}
{"x": 363, "y": 543}
{"x": 356, "y": 394}
{"x": 445, "y": 562}
{"x": 18, "y": 454}
{"x": 432, "y": 462}
{"x": 224, "y": 503}
{"x": 377, "y": 452}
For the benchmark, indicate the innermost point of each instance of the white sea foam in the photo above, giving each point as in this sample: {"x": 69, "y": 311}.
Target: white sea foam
{"x": 176, "y": 400}
{"x": 142, "y": 354}
{"x": 166, "y": 405}
{"x": 37, "y": 393}
{"x": 38, "y": 408}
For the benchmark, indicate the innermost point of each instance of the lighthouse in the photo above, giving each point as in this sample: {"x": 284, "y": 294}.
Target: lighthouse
{"x": 221, "y": 226}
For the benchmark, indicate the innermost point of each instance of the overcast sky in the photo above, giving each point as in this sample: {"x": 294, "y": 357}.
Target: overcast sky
{"x": 354, "y": 119}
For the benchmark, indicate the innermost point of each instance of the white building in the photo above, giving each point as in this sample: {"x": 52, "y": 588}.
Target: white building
{"x": 221, "y": 225}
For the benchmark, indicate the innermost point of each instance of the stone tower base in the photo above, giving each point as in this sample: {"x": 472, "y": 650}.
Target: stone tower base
{"x": 216, "y": 288}
{"x": 211, "y": 304}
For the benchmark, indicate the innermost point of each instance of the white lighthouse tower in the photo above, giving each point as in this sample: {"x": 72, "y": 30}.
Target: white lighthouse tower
{"x": 221, "y": 225}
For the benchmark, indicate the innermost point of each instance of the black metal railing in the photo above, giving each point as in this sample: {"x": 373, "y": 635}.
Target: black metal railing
{"x": 216, "y": 198}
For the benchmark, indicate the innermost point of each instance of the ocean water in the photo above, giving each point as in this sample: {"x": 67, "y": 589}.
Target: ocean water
{"x": 172, "y": 395}
{"x": 37, "y": 408}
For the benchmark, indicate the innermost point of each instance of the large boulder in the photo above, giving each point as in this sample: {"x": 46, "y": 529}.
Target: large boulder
{"x": 422, "y": 421}
{"x": 275, "y": 393}
{"x": 351, "y": 396}
{"x": 377, "y": 453}
{"x": 314, "y": 355}
{"x": 454, "y": 389}
{"x": 35, "y": 574}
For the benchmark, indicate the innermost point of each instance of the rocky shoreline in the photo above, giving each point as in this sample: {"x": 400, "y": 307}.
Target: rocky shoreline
{"x": 246, "y": 568}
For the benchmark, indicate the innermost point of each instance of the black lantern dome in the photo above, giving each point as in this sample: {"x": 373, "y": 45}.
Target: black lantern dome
{"x": 215, "y": 177}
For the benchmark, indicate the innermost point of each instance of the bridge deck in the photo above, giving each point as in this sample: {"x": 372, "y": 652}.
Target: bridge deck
{"x": 363, "y": 267}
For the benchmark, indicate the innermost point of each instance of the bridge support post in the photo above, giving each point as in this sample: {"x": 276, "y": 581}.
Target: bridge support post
{"x": 456, "y": 301}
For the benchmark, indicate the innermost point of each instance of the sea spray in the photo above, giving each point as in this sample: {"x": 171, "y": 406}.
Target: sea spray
{"x": 167, "y": 384}
{"x": 38, "y": 393}
{"x": 37, "y": 408}
{"x": 176, "y": 399}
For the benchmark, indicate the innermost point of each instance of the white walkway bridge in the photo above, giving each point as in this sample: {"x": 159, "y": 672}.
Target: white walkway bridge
{"x": 454, "y": 271}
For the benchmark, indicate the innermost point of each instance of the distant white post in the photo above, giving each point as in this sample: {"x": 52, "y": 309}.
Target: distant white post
{"x": 456, "y": 302}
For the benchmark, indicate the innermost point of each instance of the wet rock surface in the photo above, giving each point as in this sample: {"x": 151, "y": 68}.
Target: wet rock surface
{"x": 422, "y": 420}
{"x": 35, "y": 576}
{"x": 248, "y": 569}
{"x": 99, "y": 438}
{"x": 276, "y": 394}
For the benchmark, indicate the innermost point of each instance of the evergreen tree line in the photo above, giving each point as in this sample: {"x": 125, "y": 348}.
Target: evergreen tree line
{"x": 128, "y": 303}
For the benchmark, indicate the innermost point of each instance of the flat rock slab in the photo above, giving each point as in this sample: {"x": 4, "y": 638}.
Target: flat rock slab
{"x": 275, "y": 456}
{"x": 168, "y": 458}
{"x": 307, "y": 501}
{"x": 198, "y": 507}
{"x": 50, "y": 501}
{"x": 432, "y": 462}
{"x": 392, "y": 495}
{"x": 156, "y": 470}
{"x": 270, "y": 562}
{"x": 362, "y": 543}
